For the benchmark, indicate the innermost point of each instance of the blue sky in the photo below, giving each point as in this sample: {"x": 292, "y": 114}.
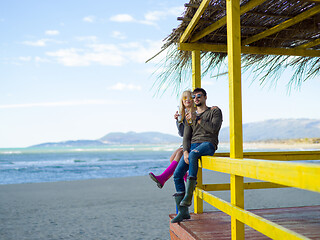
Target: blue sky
{"x": 76, "y": 70}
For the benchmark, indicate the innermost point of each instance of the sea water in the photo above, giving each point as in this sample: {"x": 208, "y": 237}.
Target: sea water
{"x": 30, "y": 165}
{"x": 26, "y": 165}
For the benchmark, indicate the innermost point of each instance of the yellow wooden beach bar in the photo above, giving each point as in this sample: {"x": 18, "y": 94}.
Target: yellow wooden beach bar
{"x": 251, "y": 31}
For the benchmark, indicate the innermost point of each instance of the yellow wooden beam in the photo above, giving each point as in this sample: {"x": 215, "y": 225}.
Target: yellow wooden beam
{"x": 202, "y": 47}
{"x": 234, "y": 69}
{"x": 284, "y": 156}
{"x": 204, "y": 4}
{"x": 249, "y": 50}
{"x": 237, "y": 199}
{"x": 292, "y": 174}
{"x": 258, "y": 223}
{"x": 284, "y": 25}
{"x": 310, "y": 44}
{"x": 221, "y": 22}
{"x": 235, "y": 109}
{"x": 198, "y": 202}
{"x": 196, "y": 82}
{"x": 279, "y": 156}
{"x": 247, "y": 186}
{"x": 196, "y": 69}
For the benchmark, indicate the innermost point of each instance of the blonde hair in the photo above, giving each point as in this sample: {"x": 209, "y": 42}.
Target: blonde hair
{"x": 182, "y": 108}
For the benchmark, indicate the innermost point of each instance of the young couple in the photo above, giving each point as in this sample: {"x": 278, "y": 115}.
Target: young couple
{"x": 200, "y": 138}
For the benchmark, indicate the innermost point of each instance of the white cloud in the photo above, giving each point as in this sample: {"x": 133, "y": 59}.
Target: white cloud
{"x": 87, "y": 38}
{"x": 175, "y": 11}
{"x": 154, "y": 16}
{"x": 41, "y": 42}
{"x": 37, "y": 59}
{"x": 52, "y": 32}
{"x": 123, "y": 86}
{"x": 106, "y": 54}
{"x": 139, "y": 52}
{"x": 118, "y": 35}
{"x": 89, "y": 19}
{"x": 59, "y": 104}
{"x": 69, "y": 57}
{"x": 150, "y": 18}
{"x": 25, "y": 59}
{"x": 103, "y": 47}
{"x": 99, "y": 53}
{"x": 40, "y": 59}
{"x": 122, "y": 18}
{"x": 38, "y": 43}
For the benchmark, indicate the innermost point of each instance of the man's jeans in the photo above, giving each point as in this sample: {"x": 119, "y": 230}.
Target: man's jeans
{"x": 196, "y": 151}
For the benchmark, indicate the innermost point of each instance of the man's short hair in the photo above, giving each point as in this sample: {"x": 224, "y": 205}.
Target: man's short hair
{"x": 200, "y": 90}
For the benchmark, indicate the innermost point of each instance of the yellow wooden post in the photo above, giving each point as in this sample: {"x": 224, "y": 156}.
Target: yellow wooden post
{"x": 196, "y": 69}
{"x": 196, "y": 82}
{"x": 198, "y": 202}
{"x": 235, "y": 105}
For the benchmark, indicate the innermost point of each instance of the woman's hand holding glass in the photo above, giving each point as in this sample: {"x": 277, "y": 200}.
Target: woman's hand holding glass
{"x": 190, "y": 117}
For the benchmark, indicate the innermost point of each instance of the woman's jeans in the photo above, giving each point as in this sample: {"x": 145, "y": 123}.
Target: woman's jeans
{"x": 196, "y": 151}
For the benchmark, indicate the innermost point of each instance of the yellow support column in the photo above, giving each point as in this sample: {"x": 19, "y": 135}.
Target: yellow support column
{"x": 196, "y": 69}
{"x": 196, "y": 82}
{"x": 198, "y": 202}
{"x": 235, "y": 105}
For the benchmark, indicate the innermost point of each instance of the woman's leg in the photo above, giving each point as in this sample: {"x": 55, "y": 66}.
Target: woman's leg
{"x": 162, "y": 178}
{"x": 176, "y": 155}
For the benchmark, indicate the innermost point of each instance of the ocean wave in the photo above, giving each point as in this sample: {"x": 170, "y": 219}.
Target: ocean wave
{"x": 79, "y": 162}
{"x": 11, "y": 152}
{"x": 111, "y": 148}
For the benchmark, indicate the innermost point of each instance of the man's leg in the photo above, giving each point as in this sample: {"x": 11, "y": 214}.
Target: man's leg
{"x": 183, "y": 212}
{"x": 203, "y": 149}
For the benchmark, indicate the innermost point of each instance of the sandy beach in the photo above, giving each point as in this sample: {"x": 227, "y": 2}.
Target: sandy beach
{"x": 119, "y": 208}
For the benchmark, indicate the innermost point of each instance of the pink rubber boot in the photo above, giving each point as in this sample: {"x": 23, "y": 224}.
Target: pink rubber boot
{"x": 162, "y": 178}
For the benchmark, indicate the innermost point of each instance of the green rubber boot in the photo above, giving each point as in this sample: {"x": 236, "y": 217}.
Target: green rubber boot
{"x": 191, "y": 184}
{"x": 183, "y": 212}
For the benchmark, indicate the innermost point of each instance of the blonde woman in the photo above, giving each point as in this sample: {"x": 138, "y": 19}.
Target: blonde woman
{"x": 186, "y": 111}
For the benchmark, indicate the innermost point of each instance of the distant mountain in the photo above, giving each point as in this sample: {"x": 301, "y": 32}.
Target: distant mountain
{"x": 258, "y": 131}
{"x": 76, "y": 143}
{"x": 276, "y": 129}
{"x": 118, "y": 138}
{"x": 139, "y": 138}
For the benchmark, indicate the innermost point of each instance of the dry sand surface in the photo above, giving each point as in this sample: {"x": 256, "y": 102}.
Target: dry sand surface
{"x": 121, "y": 208}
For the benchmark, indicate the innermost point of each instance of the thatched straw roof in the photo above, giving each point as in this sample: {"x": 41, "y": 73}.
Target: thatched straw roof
{"x": 273, "y": 24}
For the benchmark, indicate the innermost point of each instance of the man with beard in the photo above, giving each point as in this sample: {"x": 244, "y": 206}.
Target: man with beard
{"x": 199, "y": 139}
